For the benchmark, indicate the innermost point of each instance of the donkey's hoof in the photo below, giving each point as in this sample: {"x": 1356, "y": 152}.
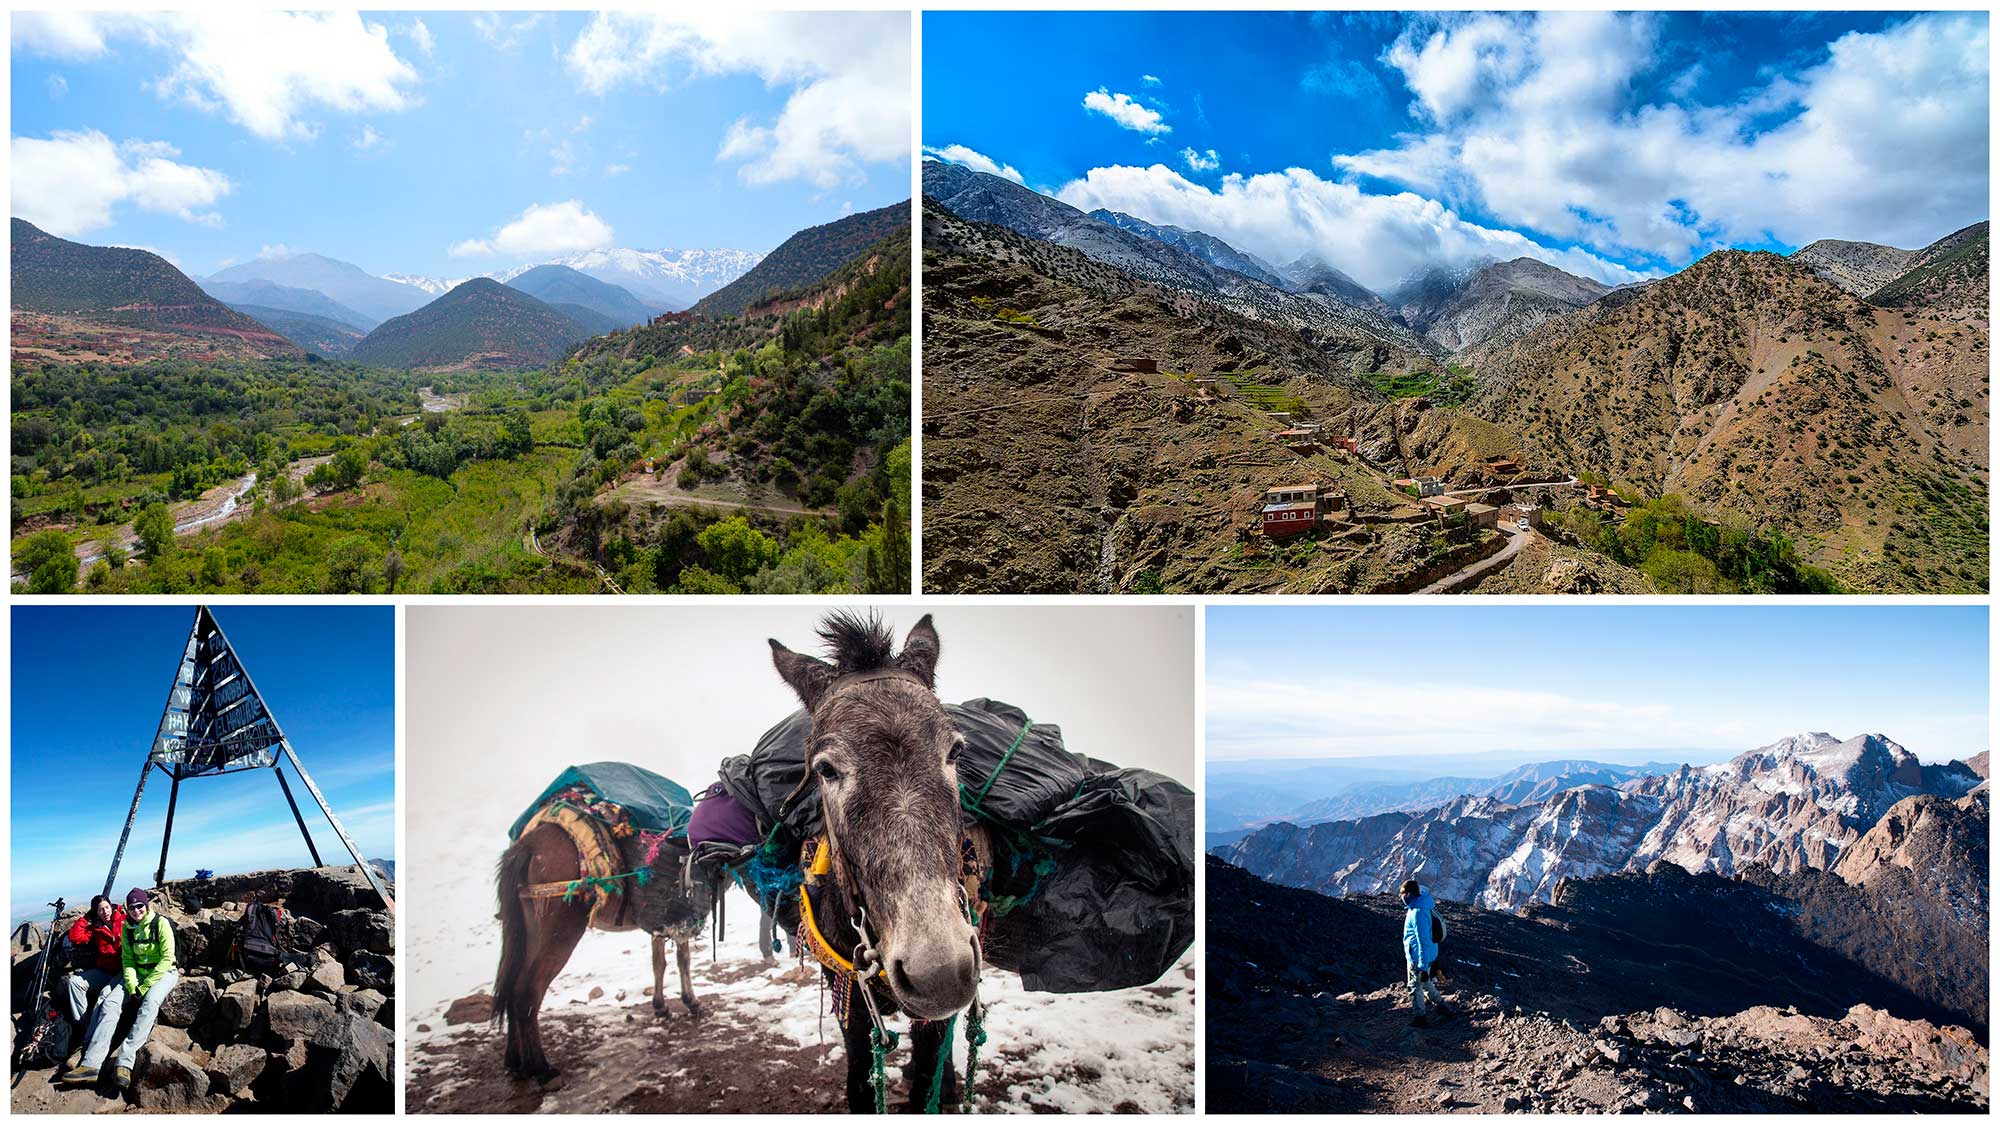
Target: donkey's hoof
{"x": 660, "y": 1008}
{"x": 550, "y": 1080}
{"x": 694, "y": 1009}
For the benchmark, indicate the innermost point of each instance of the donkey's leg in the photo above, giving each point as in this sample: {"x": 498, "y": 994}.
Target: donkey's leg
{"x": 860, "y": 1096}
{"x": 930, "y": 1047}
{"x": 660, "y": 975}
{"x": 554, "y": 940}
{"x": 683, "y": 955}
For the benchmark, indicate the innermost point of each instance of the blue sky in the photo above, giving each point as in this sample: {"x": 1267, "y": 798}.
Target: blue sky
{"x": 387, "y": 139}
{"x": 1402, "y": 682}
{"x": 1612, "y": 144}
{"x": 89, "y": 685}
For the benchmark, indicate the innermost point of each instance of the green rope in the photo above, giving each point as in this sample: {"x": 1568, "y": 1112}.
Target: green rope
{"x": 880, "y": 1044}
{"x": 943, "y": 1065}
{"x": 975, "y": 1037}
{"x": 605, "y": 884}
{"x": 1004, "y": 758}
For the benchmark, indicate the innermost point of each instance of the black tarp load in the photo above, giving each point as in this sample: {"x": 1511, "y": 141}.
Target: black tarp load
{"x": 1093, "y": 882}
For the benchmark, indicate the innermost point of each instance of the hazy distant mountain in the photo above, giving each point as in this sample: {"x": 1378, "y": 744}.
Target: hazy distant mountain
{"x": 669, "y": 279}
{"x": 435, "y": 286}
{"x": 66, "y": 294}
{"x": 341, "y": 282}
{"x": 1312, "y": 274}
{"x": 482, "y": 323}
{"x": 320, "y": 334}
{"x": 271, "y": 295}
{"x": 560, "y": 285}
{"x": 1505, "y": 300}
{"x": 805, "y": 258}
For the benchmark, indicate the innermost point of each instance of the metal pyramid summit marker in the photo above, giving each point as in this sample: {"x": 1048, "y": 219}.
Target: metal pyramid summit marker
{"x": 216, "y": 722}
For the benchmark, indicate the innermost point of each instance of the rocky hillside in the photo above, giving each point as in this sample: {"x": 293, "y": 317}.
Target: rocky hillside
{"x": 1800, "y": 803}
{"x": 1070, "y": 447}
{"x": 74, "y": 302}
{"x": 1859, "y": 268}
{"x": 1950, "y": 277}
{"x": 1504, "y": 301}
{"x": 482, "y": 323}
{"x": 805, "y": 259}
{"x": 1198, "y": 244}
{"x": 316, "y": 1038}
{"x": 1762, "y": 393}
{"x": 1594, "y": 1004}
{"x": 1363, "y": 340}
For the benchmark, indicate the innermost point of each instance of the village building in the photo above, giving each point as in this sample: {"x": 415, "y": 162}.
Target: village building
{"x": 1345, "y": 443}
{"x": 1295, "y": 508}
{"x": 1502, "y": 466}
{"x": 1298, "y": 438}
{"x": 1419, "y": 486}
{"x": 1450, "y": 506}
{"x": 1482, "y": 515}
{"x": 1522, "y": 515}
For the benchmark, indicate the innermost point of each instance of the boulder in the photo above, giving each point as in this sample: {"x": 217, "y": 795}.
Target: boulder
{"x": 167, "y": 1081}
{"x": 296, "y": 1015}
{"x": 189, "y": 1002}
{"x": 372, "y": 970}
{"x": 301, "y": 933}
{"x": 190, "y": 942}
{"x": 349, "y": 1068}
{"x": 476, "y": 1008}
{"x": 372, "y": 930}
{"x": 234, "y": 1068}
{"x": 234, "y": 1010}
{"x": 365, "y": 1002}
{"x": 326, "y": 978}
{"x": 290, "y": 982}
{"x": 323, "y": 892}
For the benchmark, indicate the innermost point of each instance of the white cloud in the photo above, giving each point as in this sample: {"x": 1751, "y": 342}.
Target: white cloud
{"x": 73, "y": 182}
{"x": 616, "y": 170}
{"x": 977, "y": 161}
{"x": 1530, "y": 119}
{"x": 544, "y": 228}
{"x": 264, "y": 70}
{"x": 57, "y": 86}
{"x": 1201, "y": 161}
{"x": 848, "y": 74}
{"x": 368, "y": 138}
{"x": 420, "y": 34}
{"x": 1151, "y": 80}
{"x": 1126, "y": 112}
{"x": 1377, "y": 239}
{"x": 506, "y": 34}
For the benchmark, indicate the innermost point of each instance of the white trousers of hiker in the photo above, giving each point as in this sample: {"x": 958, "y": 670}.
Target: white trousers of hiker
{"x": 1422, "y": 992}
{"x": 104, "y": 1022}
{"x": 81, "y": 984}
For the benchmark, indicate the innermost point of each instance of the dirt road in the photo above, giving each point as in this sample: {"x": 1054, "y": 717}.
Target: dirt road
{"x": 1516, "y": 540}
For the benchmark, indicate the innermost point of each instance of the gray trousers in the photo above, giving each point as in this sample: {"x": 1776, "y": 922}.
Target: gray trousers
{"x": 104, "y": 1022}
{"x": 81, "y": 984}
{"x": 1423, "y": 992}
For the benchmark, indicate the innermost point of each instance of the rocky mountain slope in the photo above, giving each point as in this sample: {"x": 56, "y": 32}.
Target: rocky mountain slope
{"x": 805, "y": 258}
{"x": 561, "y": 285}
{"x": 1200, "y": 245}
{"x": 1502, "y": 301}
{"x": 344, "y": 283}
{"x": 71, "y": 301}
{"x": 1799, "y": 803}
{"x": 1592, "y": 1004}
{"x": 319, "y": 1037}
{"x": 1859, "y": 268}
{"x": 318, "y": 334}
{"x": 1950, "y": 277}
{"x": 1068, "y": 446}
{"x": 1762, "y": 393}
{"x": 671, "y": 279}
{"x": 1362, "y": 340}
{"x": 482, "y": 323}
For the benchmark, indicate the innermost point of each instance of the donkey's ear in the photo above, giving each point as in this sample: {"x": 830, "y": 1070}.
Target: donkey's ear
{"x": 809, "y": 676}
{"x": 920, "y": 652}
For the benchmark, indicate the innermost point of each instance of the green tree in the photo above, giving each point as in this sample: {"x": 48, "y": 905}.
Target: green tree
{"x": 888, "y": 565}
{"x": 351, "y": 566}
{"x": 214, "y": 568}
{"x": 49, "y": 561}
{"x": 699, "y": 580}
{"x": 735, "y": 550}
{"x": 155, "y": 527}
{"x": 392, "y": 568}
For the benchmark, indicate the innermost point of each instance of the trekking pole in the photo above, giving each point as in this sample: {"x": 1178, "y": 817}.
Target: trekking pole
{"x": 41, "y": 979}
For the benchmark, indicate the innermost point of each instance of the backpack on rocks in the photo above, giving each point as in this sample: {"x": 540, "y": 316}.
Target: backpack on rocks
{"x": 257, "y": 948}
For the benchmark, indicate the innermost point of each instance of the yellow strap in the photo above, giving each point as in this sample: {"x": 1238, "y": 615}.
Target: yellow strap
{"x": 821, "y": 949}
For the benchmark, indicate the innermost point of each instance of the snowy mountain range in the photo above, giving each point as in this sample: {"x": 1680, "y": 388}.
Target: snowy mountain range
{"x": 1797, "y": 803}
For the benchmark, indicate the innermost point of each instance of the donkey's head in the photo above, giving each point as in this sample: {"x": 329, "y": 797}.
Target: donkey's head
{"x": 883, "y": 754}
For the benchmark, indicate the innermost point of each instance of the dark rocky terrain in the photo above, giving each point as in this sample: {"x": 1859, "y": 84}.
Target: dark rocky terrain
{"x": 316, "y": 1038}
{"x": 805, "y": 259}
{"x": 1655, "y": 991}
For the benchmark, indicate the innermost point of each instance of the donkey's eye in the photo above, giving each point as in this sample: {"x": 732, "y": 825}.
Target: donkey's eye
{"x": 951, "y": 755}
{"x": 826, "y": 771}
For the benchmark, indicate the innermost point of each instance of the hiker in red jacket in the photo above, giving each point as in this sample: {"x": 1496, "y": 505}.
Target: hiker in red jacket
{"x": 96, "y": 932}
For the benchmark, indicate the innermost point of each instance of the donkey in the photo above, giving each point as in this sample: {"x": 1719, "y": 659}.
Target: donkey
{"x": 882, "y": 756}
{"x": 539, "y": 931}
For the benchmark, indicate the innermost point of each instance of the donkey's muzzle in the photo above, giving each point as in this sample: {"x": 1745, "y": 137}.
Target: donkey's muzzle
{"x": 935, "y": 982}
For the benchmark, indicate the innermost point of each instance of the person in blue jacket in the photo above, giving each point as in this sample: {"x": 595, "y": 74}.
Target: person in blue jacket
{"x": 1420, "y": 954}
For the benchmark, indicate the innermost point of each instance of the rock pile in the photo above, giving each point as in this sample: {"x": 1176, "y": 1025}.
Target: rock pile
{"x": 316, "y": 1037}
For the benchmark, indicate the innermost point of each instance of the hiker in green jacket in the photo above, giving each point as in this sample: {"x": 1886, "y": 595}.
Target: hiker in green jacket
{"x": 146, "y": 954}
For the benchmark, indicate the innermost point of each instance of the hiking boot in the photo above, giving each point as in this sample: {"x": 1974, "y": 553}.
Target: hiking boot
{"x": 122, "y": 1078}
{"x": 77, "y": 1076}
